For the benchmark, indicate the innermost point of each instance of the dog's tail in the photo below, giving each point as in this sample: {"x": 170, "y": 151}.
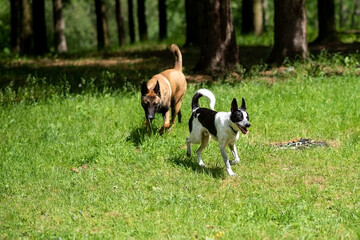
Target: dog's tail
{"x": 178, "y": 57}
{"x": 198, "y": 94}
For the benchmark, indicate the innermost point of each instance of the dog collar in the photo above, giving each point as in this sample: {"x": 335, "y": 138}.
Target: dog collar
{"x": 233, "y": 130}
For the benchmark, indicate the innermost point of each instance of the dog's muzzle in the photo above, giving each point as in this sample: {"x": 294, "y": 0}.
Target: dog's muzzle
{"x": 150, "y": 114}
{"x": 243, "y": 129}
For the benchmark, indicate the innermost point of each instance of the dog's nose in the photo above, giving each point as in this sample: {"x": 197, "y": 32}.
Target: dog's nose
{"x": 247, "y": 125}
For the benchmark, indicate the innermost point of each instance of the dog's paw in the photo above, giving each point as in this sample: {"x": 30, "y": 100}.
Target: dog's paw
{"x": 188, "y": 153}
{"x": 236, "y": 161}
{"x": 202, "y": 164}
{"x": 231, "y": 173}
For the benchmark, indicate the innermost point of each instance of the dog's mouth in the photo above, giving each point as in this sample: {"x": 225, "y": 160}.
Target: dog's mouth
{"x": 242, "y": 129}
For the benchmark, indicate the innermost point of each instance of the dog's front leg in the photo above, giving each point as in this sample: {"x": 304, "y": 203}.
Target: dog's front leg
{"x": 226, "y": 161}
{"x": 148, "y": 126}
{"x": 166, "y": 125}
{"x": 235, "y": 154}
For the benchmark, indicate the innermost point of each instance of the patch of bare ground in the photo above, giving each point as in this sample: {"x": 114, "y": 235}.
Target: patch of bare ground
{"x": 304, "y": 143}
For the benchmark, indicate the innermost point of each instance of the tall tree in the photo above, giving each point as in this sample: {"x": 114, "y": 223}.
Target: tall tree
{"x": 193, "y": 28}
{"x": 354, "y": 13}
{"x": 131, "y": 21}
{"x": 327, "y": 24}
{"x": 26, "y": 40}
{"x": 120, "y": 22}
{"x": 219, "y": 52}
{"x": 252, "y": 17}
{"x": 59, "y": 27}
{"x": 101, "y": 25}
{"x": 265, "y": 17}
{"x": 290, "y": 31}
{"x": 162, "y": 19}
{"x": 142, "y": 20}
{"x": 39, "y": 27}
{"x": 15, "y": 21}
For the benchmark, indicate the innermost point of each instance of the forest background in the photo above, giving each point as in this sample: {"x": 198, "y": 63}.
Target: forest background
{"x": 80, "y": 23}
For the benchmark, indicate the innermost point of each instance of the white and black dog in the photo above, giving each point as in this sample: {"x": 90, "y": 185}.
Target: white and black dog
{"x": 224, "y": 127}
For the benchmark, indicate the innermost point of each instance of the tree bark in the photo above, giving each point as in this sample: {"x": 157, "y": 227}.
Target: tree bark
{"x": 162, "y": 19}
{"x": 327, "y": 24}
{"x": 59, "y": 27}
{"x": 219, "y": 52}
{"x": 142, "y": 20}
{"x": 290, "y": 31}
{"x": 120, "y": 22}
{"x": 131, "y": 21}
{"x": 15, "y": 21}
{"x": 101, "y": 25}
{"x": 193, "y": 12}
{"x": 26, "y": 41}
{"x": 39, "y": 27}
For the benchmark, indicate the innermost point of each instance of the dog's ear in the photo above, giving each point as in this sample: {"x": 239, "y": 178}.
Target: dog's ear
{"x": 144, "y": 89}
{"x": 243, "y": 106}
{"x": 157, "y": 89}
{"x": 234, "y": 105}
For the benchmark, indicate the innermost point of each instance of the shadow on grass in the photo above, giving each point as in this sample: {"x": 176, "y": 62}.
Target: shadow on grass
{"x": 139, "y": 134}
{"x": 192, "y": 163}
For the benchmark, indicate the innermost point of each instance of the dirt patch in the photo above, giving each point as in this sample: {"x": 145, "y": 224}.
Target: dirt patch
{"x": 302, "y": 143}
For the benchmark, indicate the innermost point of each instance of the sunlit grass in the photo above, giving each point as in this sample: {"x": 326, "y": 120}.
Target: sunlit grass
{"x": 81, "y": 166}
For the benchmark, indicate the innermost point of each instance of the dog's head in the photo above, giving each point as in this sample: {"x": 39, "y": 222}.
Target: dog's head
{"x": 150, "y": 100}
{"x": 239, "y": 116}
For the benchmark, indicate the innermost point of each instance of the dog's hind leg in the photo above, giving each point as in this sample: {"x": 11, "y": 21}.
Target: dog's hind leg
{"x": 179, "y": 116}
{"x": 226, "y": 161}
{"x": 204, "y": 142}
{"x": 188, "y": 144}
{"x": 175, "y": 111}
{"x": 235, "y": 154}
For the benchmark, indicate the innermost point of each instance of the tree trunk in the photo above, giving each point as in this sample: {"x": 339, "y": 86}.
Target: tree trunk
{"x": 219, "y": 52}
{"x": 101, "y": 25}
{"x": 327, "y": 24}
{"x": 247, "y": 15}
{"x": 142, "y": 20}
{"x": 26, "y": 42}
{"x": 258, "y": 17}
{"x": 120, "y": 22}
{"x": 252, "y": 17}
{"x": 265, "y": 13}
{"x": 193, "y": 13}
{"x": 341, "y": 15}
{"x": 162, "y": 19}
{"x": 131, "y": 21}
{"x": 59, "y": 27}
{"x": 290, "y": 31}
{"x": 15, "y": 21}
{"x": 354, "y": 13}
{"x": 39, "y": 27}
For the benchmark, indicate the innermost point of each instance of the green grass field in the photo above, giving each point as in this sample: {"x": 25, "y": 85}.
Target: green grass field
{"x": 80, "y": 165}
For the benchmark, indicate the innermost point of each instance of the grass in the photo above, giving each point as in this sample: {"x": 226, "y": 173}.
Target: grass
{"x": 80, "y": 166}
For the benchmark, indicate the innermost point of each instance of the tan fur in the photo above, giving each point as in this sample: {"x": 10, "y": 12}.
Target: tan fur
{"x": 170, "y": 97}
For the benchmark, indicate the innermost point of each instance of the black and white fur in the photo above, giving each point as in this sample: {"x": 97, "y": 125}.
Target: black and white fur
{"x": 224, "y": 127}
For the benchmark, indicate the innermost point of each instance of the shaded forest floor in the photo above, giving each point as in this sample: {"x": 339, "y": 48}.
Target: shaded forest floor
{"x": 134, "y": 65}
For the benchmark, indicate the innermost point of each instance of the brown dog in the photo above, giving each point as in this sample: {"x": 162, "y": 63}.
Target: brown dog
{"x": 164, "y": 91}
